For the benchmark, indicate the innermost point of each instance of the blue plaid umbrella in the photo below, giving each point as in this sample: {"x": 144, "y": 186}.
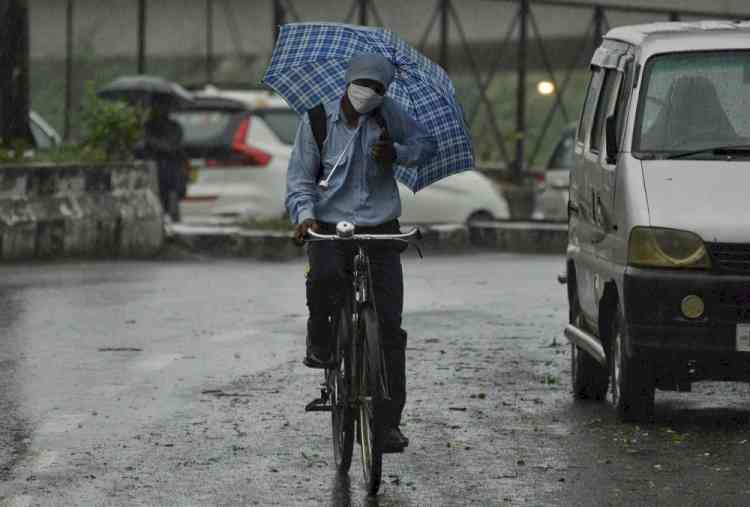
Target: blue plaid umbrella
{"x": 308, "y": 66}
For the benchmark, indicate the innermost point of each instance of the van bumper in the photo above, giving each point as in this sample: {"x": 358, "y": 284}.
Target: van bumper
{"x": 653, "y": 299}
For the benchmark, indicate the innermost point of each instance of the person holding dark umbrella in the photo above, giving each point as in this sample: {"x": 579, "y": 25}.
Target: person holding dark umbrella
{"x": 163, "y": 143}
{"x": 162, "y": 140}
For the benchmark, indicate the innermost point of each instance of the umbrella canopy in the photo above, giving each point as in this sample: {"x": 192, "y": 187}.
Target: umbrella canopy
{"x": 144, "y": 89}
{"x": 308, "y": 66}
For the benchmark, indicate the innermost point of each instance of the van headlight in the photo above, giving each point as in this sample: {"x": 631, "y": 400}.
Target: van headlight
{"x": 666, "y": 248}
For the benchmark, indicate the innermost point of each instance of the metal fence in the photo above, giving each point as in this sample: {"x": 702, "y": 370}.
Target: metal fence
{"x": 513, "y": 126}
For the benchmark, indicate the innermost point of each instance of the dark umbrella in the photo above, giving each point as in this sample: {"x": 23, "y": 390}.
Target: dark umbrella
{"x": 144, "y": 90}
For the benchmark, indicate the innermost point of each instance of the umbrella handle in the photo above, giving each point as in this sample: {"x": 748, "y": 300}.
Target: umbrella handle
{"x": 384, "y": 134}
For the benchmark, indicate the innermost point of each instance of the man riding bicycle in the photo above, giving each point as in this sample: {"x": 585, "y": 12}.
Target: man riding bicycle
{"x": 348, "y": 175}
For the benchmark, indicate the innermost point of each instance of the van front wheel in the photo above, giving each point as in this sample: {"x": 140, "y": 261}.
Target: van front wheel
{"x": 632, "y": 377}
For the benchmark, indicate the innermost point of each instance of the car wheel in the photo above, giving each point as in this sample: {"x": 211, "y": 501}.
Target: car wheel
{"x": 589, "y": 378}
{"x": 632, "y": 376}
{"x": 480, "y": 216}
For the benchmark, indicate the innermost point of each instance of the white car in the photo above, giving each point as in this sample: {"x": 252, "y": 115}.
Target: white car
{"x": 45, "y": 136}
{"x": 551, "y": 203}
{"x": 240, "y": 142}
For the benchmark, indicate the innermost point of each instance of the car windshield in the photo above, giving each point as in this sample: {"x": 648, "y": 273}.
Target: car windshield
{"x": 694, "y": 101}
{"x": 283, "y": 123}
{"x": 202, "y": 127}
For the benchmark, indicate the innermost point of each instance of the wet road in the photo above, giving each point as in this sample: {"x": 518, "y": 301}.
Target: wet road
{"x": 160, "y": 383}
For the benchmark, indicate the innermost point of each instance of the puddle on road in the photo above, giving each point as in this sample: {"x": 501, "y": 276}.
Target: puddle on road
{"x": 156, "y": 362}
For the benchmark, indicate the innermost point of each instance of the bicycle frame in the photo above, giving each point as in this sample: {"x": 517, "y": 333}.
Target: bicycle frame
{"x": 364, "y": 378}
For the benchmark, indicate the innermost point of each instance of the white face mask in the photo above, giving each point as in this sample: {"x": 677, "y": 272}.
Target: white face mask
{"x": 363, "y": 99}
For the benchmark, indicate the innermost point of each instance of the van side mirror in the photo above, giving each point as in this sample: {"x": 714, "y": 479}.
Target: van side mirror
{"x": 610, "y": 132}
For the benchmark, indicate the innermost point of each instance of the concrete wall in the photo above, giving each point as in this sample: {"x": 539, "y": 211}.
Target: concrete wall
{"x": 79, "y": 211}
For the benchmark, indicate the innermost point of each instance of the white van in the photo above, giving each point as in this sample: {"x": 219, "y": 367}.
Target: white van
{"x": 658, "y": 260}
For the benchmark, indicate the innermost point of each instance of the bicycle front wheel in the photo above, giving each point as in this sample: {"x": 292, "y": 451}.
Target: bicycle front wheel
{"x": 339, "y": 385}
{"x": 370, "y": 392}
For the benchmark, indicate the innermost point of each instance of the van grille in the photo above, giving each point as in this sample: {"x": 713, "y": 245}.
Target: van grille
{"x": 732, "y": 304}
{"x": 730, "y": 257}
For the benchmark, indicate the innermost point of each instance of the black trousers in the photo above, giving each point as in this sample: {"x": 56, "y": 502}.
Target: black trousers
{"x": 330, "y": 263}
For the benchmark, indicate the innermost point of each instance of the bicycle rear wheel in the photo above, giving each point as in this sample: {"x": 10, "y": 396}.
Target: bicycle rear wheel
{"x": 339, "y": 385}
{"x": 370, "y": 392}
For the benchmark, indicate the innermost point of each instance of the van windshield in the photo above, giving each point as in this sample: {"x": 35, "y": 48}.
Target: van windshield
{"x": 694, "y": 101}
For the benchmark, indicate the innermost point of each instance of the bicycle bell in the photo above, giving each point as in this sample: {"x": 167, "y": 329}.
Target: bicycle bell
{"x": 345, "y": 229}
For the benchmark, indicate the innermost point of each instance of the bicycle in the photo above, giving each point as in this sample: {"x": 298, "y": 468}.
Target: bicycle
{"x": 356, "y": 382}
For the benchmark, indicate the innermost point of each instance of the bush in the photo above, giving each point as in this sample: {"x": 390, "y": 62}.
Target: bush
{"x": 15, "y": 151}
{"x": 109, "y": 127}
{"x": 111, "y": 131}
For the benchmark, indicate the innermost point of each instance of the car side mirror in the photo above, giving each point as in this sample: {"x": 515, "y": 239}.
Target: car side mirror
{"x": 610, "y": 132}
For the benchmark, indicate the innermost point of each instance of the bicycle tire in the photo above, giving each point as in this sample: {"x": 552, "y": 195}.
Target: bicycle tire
{"x": 373, "y": 354}
{"x": 371, "y": 390}
{"x": 340, "y": 385}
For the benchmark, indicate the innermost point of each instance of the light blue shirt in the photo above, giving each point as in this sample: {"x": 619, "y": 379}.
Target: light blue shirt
{"x": 359, "y": 191}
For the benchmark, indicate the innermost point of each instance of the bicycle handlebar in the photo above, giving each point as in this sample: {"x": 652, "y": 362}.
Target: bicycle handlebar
{"x": 345, "y": 232}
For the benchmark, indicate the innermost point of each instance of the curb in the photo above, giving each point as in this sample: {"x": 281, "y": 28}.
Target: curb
{"x": 237, "y": 242}
{"x": 227, "y": 241}
{"x": 521, "y": 237}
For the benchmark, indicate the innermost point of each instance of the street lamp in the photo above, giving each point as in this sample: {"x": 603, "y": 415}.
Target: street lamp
{"x": 545, "y": 87}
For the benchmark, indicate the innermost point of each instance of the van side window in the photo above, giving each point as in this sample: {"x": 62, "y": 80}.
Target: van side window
{"x": 595, "y": 85}
{"x": 626, "y": 86}
{"x": 609, "y": 89}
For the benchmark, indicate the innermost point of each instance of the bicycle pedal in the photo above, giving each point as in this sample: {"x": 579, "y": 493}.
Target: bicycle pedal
{"x": 322, "y": 365}
{"x": 394, "y": 450}
{"x": 318, "y": 405}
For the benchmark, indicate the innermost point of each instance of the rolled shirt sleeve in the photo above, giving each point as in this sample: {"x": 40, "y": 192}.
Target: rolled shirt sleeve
{"x": 301, "y": 184}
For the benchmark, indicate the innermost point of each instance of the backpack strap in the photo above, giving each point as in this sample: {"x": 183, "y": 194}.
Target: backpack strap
{"x": 319, "y": 126}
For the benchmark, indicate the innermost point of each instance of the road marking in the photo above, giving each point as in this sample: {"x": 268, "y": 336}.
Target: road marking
{"x": 157, "y": 362}
{"x": 62, "y": 423}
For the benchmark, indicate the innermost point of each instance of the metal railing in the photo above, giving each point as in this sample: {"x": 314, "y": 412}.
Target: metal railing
{"x": 520, "y": 41}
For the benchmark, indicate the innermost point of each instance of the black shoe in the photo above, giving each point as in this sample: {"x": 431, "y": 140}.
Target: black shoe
{"x": 318, "y": 357}
{"x": 394, "y": 440}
